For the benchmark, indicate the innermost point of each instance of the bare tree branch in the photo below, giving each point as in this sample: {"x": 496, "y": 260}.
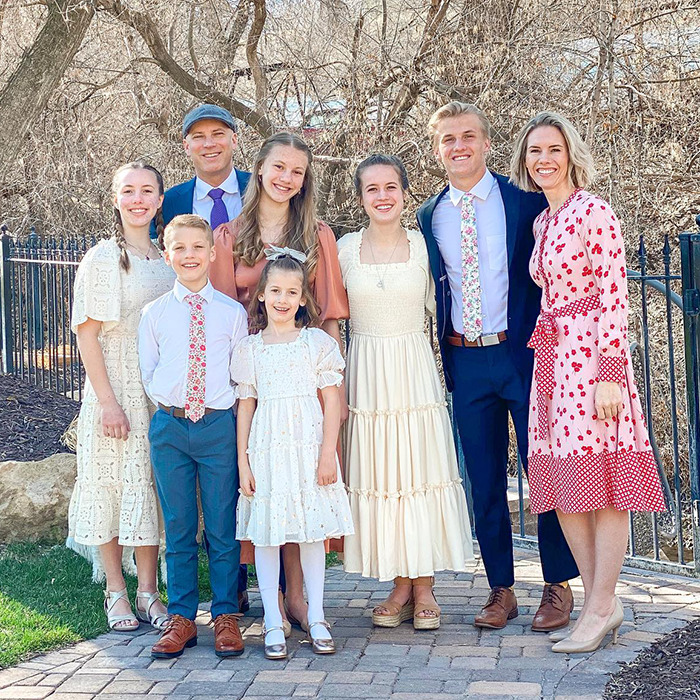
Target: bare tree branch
{"x": 145, "y": 26}
{"x": 39, "y": 73}
{"x": 251, "y": 50}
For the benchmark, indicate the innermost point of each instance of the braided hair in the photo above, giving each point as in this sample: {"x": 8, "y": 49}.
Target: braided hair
{"x": 119, "y": 224}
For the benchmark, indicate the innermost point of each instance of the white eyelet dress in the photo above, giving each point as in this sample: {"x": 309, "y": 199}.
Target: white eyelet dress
{"x": 285, "y": 440}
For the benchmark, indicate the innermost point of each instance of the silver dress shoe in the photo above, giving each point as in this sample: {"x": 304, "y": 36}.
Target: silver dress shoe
{"x": 275, "y": 651}
{"x": 323, "y": 645}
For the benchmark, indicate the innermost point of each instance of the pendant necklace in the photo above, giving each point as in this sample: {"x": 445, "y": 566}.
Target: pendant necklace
{"x": 140, "y": 252}
{"x": 382, "y": 275}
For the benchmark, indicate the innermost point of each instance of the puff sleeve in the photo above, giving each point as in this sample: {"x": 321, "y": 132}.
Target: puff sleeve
{"x": 325, "y": 354}
{"x": 243, "y": 369}
{"x": 328, "y": 287}
{"x": 346, "y": 245}
{"x": 97, "y": 289}
{"x": 606, "y": 252}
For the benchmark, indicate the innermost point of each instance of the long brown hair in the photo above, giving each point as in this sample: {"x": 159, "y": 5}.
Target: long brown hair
{"x": 307, "y": 315}
{"x": 301, "y": 229}
{"x": 118, "y": 224}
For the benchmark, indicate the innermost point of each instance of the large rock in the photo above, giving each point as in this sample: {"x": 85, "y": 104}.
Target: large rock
{"x": 34, "y": 498}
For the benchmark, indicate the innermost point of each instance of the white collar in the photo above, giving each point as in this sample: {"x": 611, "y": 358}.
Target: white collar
{"x": 202, "y": 189}
{"x": 480, "y": 190}
{"x": 180, "y": 291}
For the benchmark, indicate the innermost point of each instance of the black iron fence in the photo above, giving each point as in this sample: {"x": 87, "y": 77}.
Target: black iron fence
{"x": 36, "y": 290}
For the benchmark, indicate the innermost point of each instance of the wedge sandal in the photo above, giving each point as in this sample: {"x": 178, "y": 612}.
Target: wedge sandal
{"x": 426, "y": 623}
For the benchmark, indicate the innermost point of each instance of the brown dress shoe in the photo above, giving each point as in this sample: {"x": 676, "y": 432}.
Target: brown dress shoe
{"x": 500, "y": 607}
{"x": 227, "y": 636}
{"x": 178, "y": 634}
{"x": 555, "y": 608}
{"x": 243, "y": 603}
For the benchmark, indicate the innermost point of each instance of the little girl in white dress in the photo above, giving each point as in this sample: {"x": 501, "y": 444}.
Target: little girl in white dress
{"x": 291, "y": 485}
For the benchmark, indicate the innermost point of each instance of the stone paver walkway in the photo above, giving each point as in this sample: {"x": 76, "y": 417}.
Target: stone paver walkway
{"x": 453, "y": 662}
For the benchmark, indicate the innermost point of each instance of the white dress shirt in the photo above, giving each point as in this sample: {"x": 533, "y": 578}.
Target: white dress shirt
{"x": 202, "y": 203}
{"x": 164, "y": 346}
{"x": 491, "y": 243}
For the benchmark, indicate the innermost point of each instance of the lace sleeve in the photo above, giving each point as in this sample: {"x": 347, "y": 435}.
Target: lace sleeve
{"x": 97, "y": 290}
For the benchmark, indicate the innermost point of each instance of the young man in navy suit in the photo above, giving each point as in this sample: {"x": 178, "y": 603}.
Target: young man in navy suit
{"x": 214, "y": 193}
{"x": 209, "y": 138}
{"x": 478, "y": 232}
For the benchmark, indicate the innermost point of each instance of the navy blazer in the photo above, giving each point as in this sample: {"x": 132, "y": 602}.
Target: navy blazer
{"x": 178, "y": 199}
{"x": 523, "y": 294}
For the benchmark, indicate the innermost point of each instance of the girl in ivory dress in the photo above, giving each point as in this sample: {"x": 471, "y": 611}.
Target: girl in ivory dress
{"x": 407, "y": 499}
{"x": 114, "y": 502}
{"x": 287, "y": 462}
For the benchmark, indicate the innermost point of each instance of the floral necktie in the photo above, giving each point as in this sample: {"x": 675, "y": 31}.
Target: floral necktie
{"x": 471, "y": 286}
{"x": 196, "y": 360}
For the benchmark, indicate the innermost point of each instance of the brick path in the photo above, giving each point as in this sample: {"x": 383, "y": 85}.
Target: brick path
{"x": 453, "y": 662}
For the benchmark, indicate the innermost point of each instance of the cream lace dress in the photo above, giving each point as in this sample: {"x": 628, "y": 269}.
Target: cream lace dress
{"x": 114, "y": 494}
{"x": 406, "y": 496}
{"x": 285, "y": 440}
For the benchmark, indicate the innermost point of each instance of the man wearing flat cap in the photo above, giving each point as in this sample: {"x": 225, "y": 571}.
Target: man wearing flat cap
{"x": 209, "y": 138}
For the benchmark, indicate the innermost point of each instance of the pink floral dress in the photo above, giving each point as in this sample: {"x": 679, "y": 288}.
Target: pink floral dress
{"x": 578, "y": 463}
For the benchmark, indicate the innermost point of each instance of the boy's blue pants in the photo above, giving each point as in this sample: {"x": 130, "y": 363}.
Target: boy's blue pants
{"x": 183, "y": 452}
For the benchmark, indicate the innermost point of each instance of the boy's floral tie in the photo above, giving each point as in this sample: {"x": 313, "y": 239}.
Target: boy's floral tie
{"x": 471, "y": 286}
{"x": 196, "y": 360}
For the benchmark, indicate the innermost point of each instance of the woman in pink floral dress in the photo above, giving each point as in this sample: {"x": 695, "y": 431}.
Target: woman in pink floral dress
{"x": 589, "y": 453}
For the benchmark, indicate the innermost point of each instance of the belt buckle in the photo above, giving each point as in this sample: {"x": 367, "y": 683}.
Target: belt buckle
{"x": 486, "y": 340}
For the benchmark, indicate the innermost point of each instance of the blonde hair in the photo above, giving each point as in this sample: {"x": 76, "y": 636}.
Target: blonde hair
{"x": 301, "y": 230}
{"x": 118, "y": 224}
{"x": 187, "y": 221}
{"x": 454, "y": 109}
{"x": 581, "y": 169}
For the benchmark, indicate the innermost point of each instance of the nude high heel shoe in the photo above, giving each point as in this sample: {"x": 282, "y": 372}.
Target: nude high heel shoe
{"x": 570, "y": 646}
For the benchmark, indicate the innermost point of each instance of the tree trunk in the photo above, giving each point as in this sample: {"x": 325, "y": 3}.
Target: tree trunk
{"x": 39, "y": 73}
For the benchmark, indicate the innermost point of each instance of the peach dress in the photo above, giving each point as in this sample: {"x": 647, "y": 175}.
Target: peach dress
{"x": 239, "y": 282}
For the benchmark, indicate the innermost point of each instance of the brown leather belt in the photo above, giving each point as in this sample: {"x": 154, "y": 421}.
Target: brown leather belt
{"x": 483, "y": 341}
{"x": 180, "y": 412}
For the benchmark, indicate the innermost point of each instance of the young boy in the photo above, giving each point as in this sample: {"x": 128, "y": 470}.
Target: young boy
{"x": 186, "y": 338}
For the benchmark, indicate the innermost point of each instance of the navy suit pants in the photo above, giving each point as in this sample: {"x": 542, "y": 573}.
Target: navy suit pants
{"x": 488, "y": 386}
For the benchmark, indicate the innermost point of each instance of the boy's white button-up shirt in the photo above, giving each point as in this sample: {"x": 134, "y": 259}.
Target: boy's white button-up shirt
{"x": 164, "y": 346}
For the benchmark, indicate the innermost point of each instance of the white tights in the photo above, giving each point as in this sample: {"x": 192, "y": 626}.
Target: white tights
{"x": 267, "y": 568}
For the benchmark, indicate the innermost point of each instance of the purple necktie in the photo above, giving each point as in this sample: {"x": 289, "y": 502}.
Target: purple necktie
{"x": 219, "y": 215}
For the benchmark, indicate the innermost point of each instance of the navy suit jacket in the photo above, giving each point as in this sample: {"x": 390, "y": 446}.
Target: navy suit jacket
{"x": 178, "y": 199}
{"x": 523, "y": 294}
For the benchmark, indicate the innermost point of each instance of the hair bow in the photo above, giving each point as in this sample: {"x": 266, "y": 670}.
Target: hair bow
{"x": 274, "y": 252}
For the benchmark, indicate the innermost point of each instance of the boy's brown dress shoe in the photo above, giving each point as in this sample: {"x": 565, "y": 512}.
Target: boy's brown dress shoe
{"x": 500, "y": 607}
{"x": 228, "y": 640}
{"x": 555, "y": 608}
{"x": 178, "y": 634}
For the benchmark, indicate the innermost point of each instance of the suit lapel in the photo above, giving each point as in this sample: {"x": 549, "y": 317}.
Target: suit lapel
{"x": 511, "y": 204}
{"x": 185, "y": 204}
{"x": 425, "y": 221}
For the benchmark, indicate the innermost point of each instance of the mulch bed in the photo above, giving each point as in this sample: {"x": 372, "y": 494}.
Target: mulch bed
{"x": 669, "y": 668}
{"x": 33, "y": 420}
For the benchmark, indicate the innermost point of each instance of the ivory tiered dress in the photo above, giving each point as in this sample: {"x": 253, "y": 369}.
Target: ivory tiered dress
{"x": 406, "y": 496}
{"x": 114, "y": 495}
